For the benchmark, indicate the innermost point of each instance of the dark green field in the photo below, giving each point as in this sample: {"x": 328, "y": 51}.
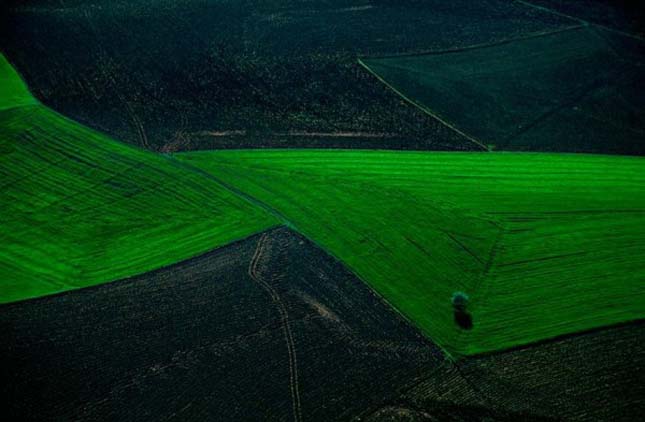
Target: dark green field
{"x": 510, "y": 96}
{"x": 624, "y": 16}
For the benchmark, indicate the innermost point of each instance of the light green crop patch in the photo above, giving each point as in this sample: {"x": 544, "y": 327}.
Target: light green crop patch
{"x": 78, "y": 208}
{"x": 543, "y": 244}
{"x": 13, "y": 91}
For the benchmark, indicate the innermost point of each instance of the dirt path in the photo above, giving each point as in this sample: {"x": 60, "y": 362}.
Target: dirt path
{"x": 291, "y": 348}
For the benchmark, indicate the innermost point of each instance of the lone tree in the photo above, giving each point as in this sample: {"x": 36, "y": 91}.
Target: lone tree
{"x": 459, "y": 301}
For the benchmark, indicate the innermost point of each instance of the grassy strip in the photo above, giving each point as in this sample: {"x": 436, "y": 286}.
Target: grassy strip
{"x": 80, "y": 209}
{"x": 544, "y": 244}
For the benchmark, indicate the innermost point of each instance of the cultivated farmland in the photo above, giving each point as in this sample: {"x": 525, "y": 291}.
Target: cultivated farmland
{"x": 13, "y": 91}
{"x": 142, "y": 283}
{"x": 206, "y": 337}
{"x": 592, "y": 376}
{"x": 79, "y": 208}
{"x": 544, "y": 244}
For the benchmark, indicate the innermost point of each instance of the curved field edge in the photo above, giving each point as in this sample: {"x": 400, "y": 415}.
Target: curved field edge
{"x": 81, "y": 209}
{"x": 544, "y": 244}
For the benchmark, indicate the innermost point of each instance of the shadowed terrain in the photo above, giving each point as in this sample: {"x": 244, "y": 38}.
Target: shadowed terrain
{"x": 577, "y": 90}
{"x": 627, "y": 16}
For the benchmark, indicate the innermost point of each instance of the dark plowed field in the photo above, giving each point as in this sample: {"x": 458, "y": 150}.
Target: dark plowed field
{"x": 194, "y": 74}
{"x": 267, "y": 328}
{"x": 593, "y": 376}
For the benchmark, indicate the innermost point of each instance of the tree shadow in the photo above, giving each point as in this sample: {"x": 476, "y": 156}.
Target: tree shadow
{"x": 463, "y": 319}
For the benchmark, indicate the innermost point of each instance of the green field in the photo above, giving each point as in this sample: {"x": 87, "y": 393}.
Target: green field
{"x": 544, "y": 244}
{"x": 511, "y": 95}
{"x": 13, "y": 91}
{"x": 79, "y": 208}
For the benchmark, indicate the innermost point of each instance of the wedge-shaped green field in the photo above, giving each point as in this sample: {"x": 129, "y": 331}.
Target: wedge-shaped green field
{"x": 544, "y": 244}
{"x": 575, "y": 90}
{"x": 78, "y": 208}
{"x": 13, "y": 91}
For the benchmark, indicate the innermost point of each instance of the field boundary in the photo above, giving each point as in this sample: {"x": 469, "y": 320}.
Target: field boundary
{"x": 425, "y": 109}
{"x": 134, "y": 276}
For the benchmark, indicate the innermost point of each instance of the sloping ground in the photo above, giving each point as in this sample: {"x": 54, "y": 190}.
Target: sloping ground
{"x": 79, "y": 208}
{"x": 590, "y": 377}
{"x": 575, "y": 90}
{"x": 544, "y": 244}
{"x": 272, "y": 328}
{"x": 194, "y": 74}
{"x": 269, "y": 328}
